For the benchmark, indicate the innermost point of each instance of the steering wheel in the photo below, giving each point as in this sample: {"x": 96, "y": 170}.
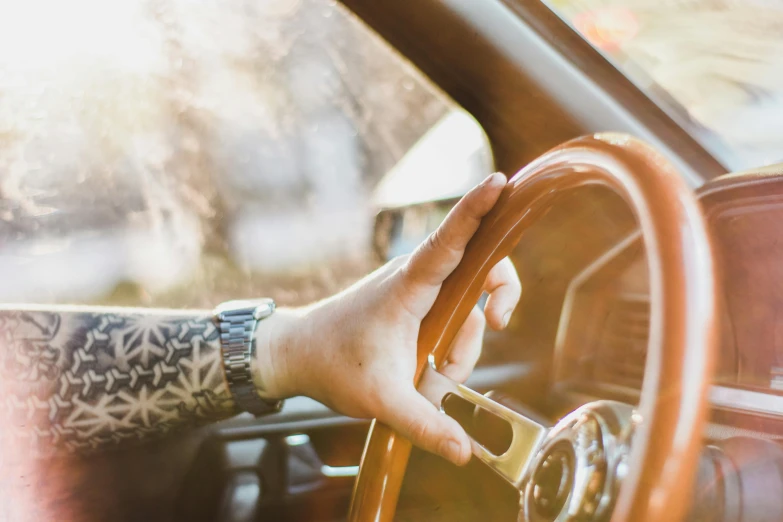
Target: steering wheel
{"x": 610, "y": 460}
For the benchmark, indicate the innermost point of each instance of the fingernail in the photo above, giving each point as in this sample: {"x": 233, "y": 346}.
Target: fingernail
{"x": 452, "y": 451}
{"x": 491, "y": 179}
{"x": 506, "y": 318}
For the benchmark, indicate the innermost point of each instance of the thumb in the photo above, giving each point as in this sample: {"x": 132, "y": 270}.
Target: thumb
{"x": 413, "y": 416}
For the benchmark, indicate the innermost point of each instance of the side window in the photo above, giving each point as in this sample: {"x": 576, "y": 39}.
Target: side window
{"x": 189, "y": 152}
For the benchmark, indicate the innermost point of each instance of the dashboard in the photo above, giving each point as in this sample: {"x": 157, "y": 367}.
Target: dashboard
{"x": 601, "y": 340}
{"x": 752, "y": 249}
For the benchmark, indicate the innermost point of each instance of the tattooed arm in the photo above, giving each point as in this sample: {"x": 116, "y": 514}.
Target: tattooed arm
{"x": 83, "y": 378}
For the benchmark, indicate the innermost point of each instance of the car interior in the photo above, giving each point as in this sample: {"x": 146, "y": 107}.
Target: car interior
{"x": 661, "y": 336}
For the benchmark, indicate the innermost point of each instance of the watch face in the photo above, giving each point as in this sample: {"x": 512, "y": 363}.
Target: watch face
{"x": 260, "y": 308}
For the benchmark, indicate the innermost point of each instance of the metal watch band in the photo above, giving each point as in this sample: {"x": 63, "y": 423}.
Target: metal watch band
{"x": 236, "y": 322}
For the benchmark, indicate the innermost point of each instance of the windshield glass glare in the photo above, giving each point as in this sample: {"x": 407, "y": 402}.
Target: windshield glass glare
{"x": 716, "y": 66}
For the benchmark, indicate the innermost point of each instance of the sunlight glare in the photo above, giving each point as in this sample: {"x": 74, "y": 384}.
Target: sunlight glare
{"x": 50, "y": 34}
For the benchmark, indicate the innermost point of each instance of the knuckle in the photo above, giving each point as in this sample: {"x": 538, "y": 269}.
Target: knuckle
{"x": 440, "y": 240}
{"x": 434, "y": 240}
{"x": 399, "y": 260}
{"x": 419, "y": 430}
{"x": 397, "y": 264}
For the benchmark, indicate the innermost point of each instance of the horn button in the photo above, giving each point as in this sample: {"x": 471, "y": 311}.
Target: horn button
{"x": 552, "y": 481}
{"x": 575, "y": 474}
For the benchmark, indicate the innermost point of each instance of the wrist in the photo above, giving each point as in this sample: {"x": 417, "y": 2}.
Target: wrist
{"x": 278, "y": 339}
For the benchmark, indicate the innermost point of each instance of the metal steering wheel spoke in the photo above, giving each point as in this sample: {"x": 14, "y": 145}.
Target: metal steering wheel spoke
{"x": 572, "y": 471}
{"x": 527, "y": 436}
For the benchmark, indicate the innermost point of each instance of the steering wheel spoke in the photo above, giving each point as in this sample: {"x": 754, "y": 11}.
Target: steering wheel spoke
{"x": 571, "y": 471}
{"x": 527, "y": 435}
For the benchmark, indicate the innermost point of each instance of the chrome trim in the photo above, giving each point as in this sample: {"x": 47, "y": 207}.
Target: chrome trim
{"x": 746, "y": 400}
{"x": 298, "y": 439}
{"x": 339, "y": 471}
{"x": 301, "y": 439}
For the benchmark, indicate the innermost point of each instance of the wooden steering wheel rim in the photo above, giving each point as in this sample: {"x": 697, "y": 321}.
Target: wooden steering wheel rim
{"x": 682, "y": 342}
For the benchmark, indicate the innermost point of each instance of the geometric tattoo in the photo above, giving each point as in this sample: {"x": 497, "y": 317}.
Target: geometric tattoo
{"x": 80, "y": 380}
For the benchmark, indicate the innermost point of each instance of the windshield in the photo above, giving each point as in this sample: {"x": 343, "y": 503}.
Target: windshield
{"x": 716, "y": 66}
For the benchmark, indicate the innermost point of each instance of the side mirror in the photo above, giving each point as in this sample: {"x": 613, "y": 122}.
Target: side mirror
{"x": 416, "y": 194}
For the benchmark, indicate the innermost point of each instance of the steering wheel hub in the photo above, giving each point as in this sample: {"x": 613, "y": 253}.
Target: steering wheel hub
{"x": 552, "y": 482}
{"x": 575, "y": 474}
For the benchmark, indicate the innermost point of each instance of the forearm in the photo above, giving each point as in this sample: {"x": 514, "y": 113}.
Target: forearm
{"x": 83, "y": 378}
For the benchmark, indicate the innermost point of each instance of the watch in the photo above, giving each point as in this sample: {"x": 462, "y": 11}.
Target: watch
{"x": 236, "y": 321}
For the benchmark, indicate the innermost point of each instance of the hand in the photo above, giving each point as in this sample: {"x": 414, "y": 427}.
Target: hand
{"x": 356, "y": 352}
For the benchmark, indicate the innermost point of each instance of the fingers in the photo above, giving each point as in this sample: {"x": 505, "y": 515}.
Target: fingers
{"x": 437, "y": 257}
{"x": 424, "y": 425}
{"x": 466, "y": 348}
{"x": 504, "y": 289}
